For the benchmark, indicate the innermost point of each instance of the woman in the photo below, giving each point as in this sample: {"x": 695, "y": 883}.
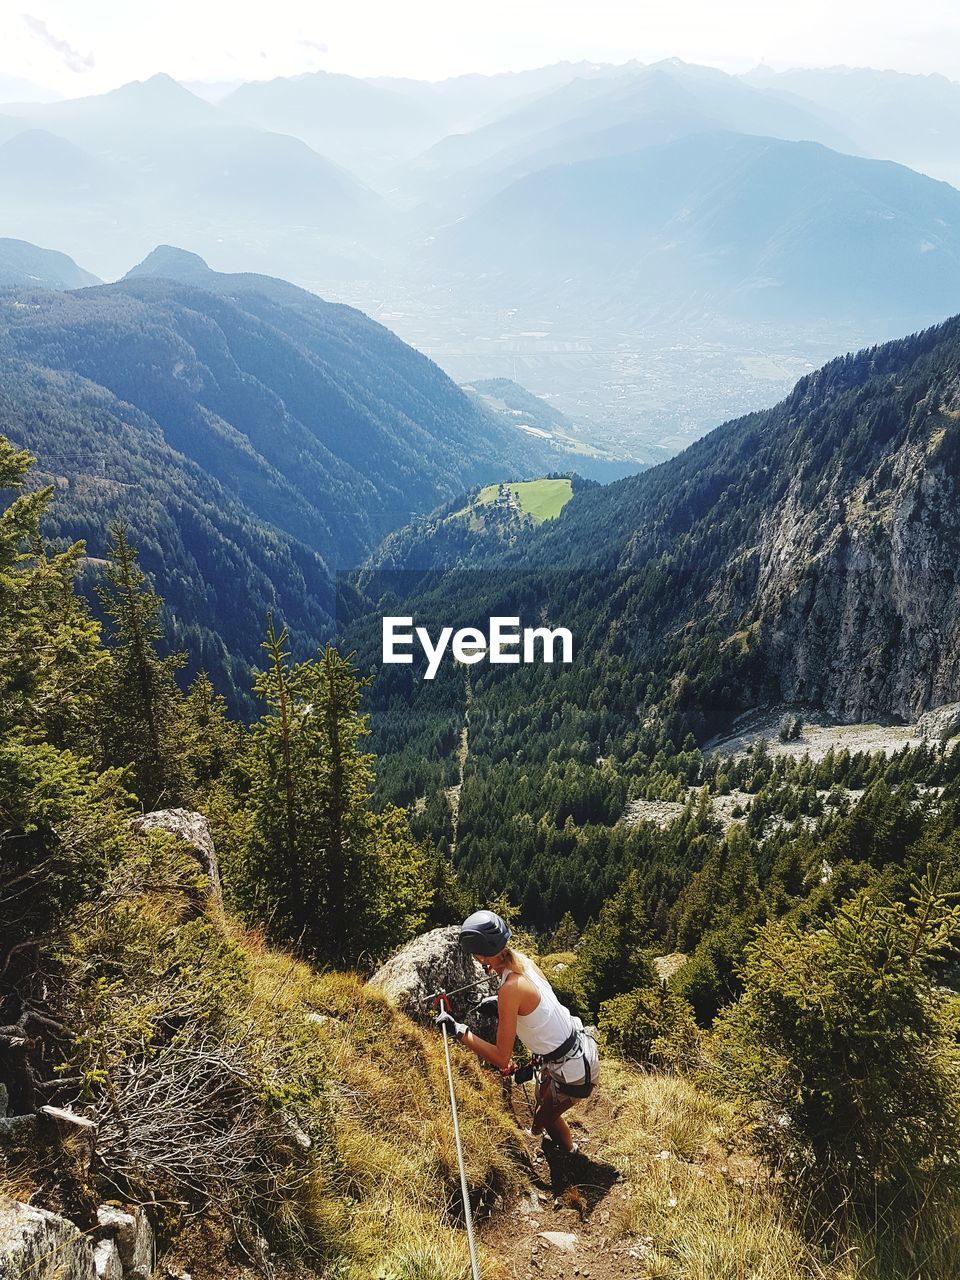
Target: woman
{"x": 527, "y": 1007}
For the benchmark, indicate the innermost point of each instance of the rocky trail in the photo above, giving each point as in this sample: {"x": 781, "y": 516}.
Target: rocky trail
{"x": 561, "y": 1229}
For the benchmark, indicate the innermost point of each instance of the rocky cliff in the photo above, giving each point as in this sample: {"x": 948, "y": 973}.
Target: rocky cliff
{"x": 858, "y": 594}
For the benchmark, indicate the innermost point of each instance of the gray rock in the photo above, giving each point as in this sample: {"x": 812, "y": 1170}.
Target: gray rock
{"x": 133, "y": 1235}
{"x": 18, "y": 1128}
{"x": 851, "y": 600}
{"x": 564, "y": 1240}
{"x": 106, "y": 1259}
{"x": 41, "y": 1245}
{"x": 4, "y": 1100}
{"x": 435, "y": 961}
{"x": 193, "y": 830}
{"x": 941, "y": 723}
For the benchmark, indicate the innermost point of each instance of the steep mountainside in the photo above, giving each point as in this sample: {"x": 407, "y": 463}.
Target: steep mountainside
{"x": 807, "y": 553}
{"x": 255, "y": 437}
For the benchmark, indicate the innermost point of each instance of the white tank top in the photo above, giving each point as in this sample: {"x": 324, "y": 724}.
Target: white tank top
{"x": 549, "y": 1024}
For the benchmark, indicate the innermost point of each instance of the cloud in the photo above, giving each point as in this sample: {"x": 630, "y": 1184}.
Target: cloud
{"x": 318, "y": 46}
{"x": 75, "y": 60}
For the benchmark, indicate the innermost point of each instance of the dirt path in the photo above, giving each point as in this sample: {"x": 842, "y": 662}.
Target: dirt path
{"x": 463, "y": 754}
{"x": 561, "y": 1229}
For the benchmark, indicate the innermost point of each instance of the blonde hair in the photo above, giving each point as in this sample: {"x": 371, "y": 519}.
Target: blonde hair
{"x": 517, "y": 962}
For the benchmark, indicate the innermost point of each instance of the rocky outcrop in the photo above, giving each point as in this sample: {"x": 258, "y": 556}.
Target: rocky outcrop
{"x": 38, "y": 1245}
{"x": 857, "y": 595}
{"x": 42, "y": 1245}
{"x": 106, "y": 1259}
{"x": 193, "y": 830}
{"x": 132, "y": 1234}
{"x": 940, "y": 724}
{"x": 435, "y": 961}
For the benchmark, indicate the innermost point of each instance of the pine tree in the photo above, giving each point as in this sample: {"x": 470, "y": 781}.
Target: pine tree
{"x": 328, "y": 873}
{"x": 60, "y": 822}
{"x": 213, "y": 742}
{"x": 143, "y": 723}
{"x": 566, "y": 935}
{"x": 49, "y": 645}
{"x": 611, "y": 958}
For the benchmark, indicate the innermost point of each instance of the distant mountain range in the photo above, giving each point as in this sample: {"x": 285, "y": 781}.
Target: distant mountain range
{"x": 255, "y": 437}
{"x": 108, "y": 176}
{"x": 614, "y": 115}
{"x": 723, "y": 223}
{"x": 652, "y": 247}
{"x": 910, "y": 118}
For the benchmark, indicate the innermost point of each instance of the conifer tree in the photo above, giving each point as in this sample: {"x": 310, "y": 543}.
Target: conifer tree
{"x": 612, "y": 959}
{"x": 213, "y": 742}
{"x": 566, "y": 935}
{"x": 60, "y": 822}
{"x": 321, "y": 867}
{"x": 142, "y": 712}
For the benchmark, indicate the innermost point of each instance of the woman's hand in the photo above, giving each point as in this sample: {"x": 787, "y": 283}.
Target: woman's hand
{"x": 456, "y": 1029}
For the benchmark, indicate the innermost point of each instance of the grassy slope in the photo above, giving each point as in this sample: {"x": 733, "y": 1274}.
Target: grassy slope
{"x": 375, "y": 1194}
{"x": 542, "y": 499}
{"x": 393, "y": 1174}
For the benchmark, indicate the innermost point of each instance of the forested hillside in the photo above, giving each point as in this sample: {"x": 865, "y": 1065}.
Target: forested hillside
{"x": 255, "y": 438}
{"x": 801, "y": 556}
{"x": 258, "y": 1117}
{"x": 24, "y": 264}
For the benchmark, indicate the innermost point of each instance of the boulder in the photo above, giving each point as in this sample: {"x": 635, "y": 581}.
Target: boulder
{"x": 432, "y": 962}
{"x": 193, "y": 830}
{"x": 41, "y": 1245}
{"x": 941, "y": 723}
{"x": 18, "y": 1128}
{"x": 130, "y": 1230}
{"x": 106, "y": 1259}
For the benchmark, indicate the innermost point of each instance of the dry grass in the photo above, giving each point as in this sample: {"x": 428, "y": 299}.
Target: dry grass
{"x": 386, "y": 1194}
{"x": 699, "y": 1210}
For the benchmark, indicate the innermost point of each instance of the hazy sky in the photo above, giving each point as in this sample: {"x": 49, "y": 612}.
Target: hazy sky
{"x": 86, "y": 46}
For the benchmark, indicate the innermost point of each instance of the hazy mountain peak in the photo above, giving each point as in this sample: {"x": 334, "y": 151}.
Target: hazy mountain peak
{"x": 26, "y": 265}
{"x": 160, "y": 87}
{"x": 171, "y": 263}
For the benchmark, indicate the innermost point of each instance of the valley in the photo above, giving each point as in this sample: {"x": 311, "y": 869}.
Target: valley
{"x": 535, "y": 492}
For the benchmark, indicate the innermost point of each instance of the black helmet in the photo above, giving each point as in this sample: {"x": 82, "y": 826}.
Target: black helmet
{"x": 484, "y": 933}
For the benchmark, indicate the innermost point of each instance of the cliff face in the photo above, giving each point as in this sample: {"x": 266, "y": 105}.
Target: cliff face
{"x": 858, "y": 596}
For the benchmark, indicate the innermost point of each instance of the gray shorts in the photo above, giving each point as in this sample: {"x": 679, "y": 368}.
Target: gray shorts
{"x": 579, "y": 1070}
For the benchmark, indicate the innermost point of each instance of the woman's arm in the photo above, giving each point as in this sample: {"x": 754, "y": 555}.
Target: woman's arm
{"x": 501, "y": 1053}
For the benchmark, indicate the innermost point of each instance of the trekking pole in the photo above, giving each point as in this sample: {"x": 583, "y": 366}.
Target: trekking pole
{"x": 464, "y": 1191}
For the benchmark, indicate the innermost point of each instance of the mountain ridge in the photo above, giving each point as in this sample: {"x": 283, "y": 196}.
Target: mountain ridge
{"x": 808, "y": 550}
{"x": 308, "y": 427}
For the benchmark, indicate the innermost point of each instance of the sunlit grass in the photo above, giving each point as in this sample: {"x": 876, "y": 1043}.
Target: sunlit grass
{"x": 388, "y": 1202}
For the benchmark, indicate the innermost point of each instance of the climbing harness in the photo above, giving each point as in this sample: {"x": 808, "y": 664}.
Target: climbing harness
{"x": 443, "y": 1002}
